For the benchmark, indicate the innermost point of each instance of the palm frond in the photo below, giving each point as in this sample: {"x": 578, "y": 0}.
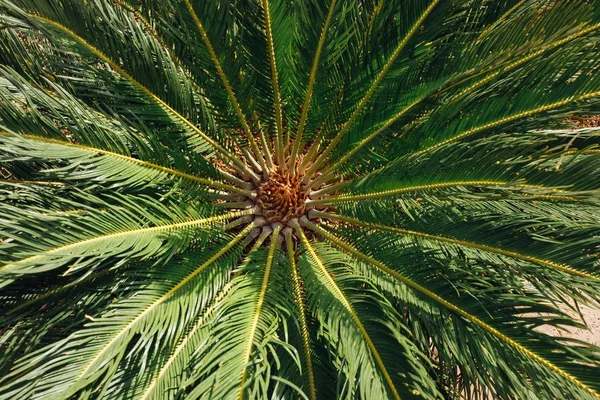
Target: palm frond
{"x": 368, "y": 361}
{"x": 549, "y": 360}
{"x": 98, "y": 363}
{"x": 309, "y": 199}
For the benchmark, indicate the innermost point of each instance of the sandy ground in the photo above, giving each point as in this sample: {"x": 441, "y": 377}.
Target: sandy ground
{"x": 592, "y": 317}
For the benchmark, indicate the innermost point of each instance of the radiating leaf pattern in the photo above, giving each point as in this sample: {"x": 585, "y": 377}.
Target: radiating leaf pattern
{"x": 333, "y": 199}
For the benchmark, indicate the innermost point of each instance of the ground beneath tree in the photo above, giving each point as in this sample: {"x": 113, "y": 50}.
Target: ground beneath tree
{"x": 589, "y": 121}
{"x": 590, "y": 315}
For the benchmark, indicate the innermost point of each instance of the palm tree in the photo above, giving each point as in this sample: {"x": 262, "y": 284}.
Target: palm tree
{"x": 311, "y": 199}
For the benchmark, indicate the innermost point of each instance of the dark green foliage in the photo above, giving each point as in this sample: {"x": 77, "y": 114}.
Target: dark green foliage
{"x": 452, "y": 208}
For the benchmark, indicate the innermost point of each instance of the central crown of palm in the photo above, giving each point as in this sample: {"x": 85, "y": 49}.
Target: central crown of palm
{"x": 297, "y": 199}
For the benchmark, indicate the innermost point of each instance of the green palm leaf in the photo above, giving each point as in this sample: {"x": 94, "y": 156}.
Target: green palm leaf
{"x": 315, "y": 199}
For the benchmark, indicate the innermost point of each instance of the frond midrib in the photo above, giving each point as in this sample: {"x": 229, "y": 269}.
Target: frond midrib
{"x": 304, "y": 333}
{"x": 163, "y": 298}
{"x": 143, "y": 163}
{"x": 346, "y": 304}
{"x": 126, "y": 76}
{"x": 130, "y": 232}
{"x": 513, "y": 254}
{"x": 451, "y": 306}
{"x": 257, "y": 312}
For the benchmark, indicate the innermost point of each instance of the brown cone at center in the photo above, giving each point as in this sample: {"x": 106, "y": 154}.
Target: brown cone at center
{"x": 281, "y": 197}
